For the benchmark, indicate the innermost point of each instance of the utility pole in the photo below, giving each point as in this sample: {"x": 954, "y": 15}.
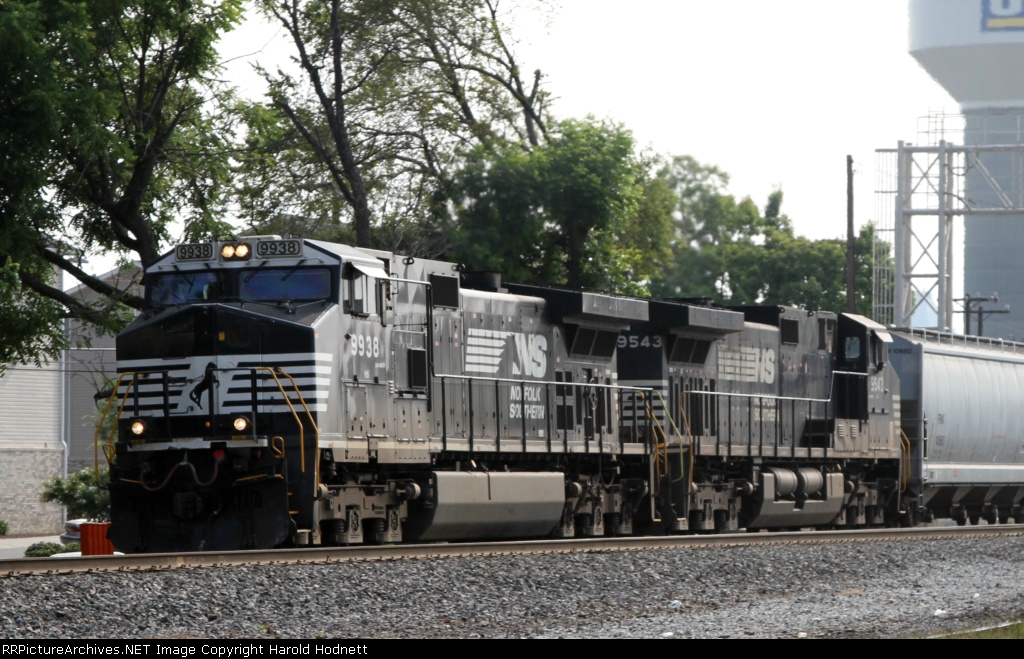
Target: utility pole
{"x": 985, "y": 313}
{"x": 851, "y": 243}
{"x": 969, "y": 301}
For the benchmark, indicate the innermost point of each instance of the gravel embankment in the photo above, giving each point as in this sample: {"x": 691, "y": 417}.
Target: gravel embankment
{"x": 843, "y": 590}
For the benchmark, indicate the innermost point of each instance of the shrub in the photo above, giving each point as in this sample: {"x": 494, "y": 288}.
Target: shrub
{"x": 43, "y": 549}
{"x": 83, "y": 496}
{"x": 46, "y": 549}
{"x": 5, "y": 528}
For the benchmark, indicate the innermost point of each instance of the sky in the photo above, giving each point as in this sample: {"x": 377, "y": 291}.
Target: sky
{"x": 776, "y": 93}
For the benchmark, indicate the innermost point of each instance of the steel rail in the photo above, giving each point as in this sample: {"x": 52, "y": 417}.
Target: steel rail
{"x": 329, "y": 555}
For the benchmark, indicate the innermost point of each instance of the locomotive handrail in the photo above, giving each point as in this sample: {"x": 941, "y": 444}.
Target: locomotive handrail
{"x": 103, "y": 417}
{"x": 619, "y": 387}
{"x": 312, "y": 422}
{"x": 689, "y": 437}
{"x": 659, "y": 445}
{"x": 574, "y": 386}
{"x": 773, "y": 397}
{"x": 760, "y": 398}
{"x": 546, "y": 383}
{"x": 134, "y": 375}
{"x": 672, "y": 421}
{"x": 661, "y": 462}
{"x": 828, "y": 414}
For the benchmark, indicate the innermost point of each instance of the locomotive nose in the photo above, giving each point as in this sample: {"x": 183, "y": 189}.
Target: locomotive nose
{"x": 205, "y": 330}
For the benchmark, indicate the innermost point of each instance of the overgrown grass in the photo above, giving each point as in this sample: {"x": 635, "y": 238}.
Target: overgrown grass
{"x": 1014, "y": 631}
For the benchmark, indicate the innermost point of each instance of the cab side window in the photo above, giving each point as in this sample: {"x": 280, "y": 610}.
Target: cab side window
{"x": 361, "y": 293}
{"x": 879, "y": 352}
{"x": 851, "y": 349}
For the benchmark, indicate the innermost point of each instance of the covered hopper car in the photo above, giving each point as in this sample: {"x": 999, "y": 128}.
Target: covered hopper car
{"x": 962, "y": 410}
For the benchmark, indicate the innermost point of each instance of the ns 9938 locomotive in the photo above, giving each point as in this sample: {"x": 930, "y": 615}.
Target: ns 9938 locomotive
{"x": 290, "y": 392}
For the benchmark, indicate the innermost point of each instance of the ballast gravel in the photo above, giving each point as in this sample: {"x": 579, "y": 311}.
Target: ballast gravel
{"x": 831, "y": 590}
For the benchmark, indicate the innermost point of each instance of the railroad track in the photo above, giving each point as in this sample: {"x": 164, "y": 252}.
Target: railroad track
{"x": 326, "y": 555}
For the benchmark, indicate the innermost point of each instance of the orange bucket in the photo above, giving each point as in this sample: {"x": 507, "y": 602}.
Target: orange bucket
{"x": 93, "y": 537}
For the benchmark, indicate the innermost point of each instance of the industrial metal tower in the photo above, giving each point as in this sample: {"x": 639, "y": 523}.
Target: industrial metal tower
{"x": 974, "y": 49}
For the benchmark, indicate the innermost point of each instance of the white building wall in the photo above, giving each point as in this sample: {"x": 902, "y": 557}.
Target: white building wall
{"x": 31, "y": 451}
{"x": 41, "y": 405}
{"x": 88, "y": 371}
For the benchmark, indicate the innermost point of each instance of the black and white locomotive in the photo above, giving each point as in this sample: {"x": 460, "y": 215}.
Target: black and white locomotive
{"x": 282, "y": 391}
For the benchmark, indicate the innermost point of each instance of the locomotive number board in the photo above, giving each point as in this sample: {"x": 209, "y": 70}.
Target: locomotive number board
{"x": 272, "y": 249}
{"x": 194, "y": 252}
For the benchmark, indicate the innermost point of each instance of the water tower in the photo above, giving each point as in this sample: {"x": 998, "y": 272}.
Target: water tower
{"x": 975, "y": 50}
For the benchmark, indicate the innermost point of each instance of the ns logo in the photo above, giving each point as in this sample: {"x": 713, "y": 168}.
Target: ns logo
{"x": 747, "y": 364}
{"x": 531, "y": 353}
{"x": 486, "y": 349}
{"x": 1002, "y": 15}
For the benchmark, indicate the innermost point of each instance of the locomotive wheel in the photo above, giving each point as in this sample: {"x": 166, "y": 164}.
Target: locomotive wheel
{"x": 721, "y": 521}
{"x": 612, "y": 521}
{"x": 584, "y": 525}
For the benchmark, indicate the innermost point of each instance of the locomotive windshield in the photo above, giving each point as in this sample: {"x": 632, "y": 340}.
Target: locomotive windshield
{"x": 295, "y": 284}
{"x": 184, "y": 287}
{"x": 252, "y": 285}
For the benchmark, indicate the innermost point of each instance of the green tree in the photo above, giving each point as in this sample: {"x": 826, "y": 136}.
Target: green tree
{"x": 734, "y": 253}
{"x": 385, "y": 99}
{"x": 112, "y": 137}
{"x": 578, "y": 210}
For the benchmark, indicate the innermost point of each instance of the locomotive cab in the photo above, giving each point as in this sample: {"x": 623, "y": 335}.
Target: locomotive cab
{"x": 862, "y": 381}
{"x": 863, "y": 345}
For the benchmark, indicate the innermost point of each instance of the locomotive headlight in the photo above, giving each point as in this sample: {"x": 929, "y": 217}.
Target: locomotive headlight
{"x": 138, "y": 427}
{"x": 241, "y": 424}
{"x": 235, "y": 251}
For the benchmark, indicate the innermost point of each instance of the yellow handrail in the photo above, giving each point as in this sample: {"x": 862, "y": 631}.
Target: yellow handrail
{"x": 686, "y": 473}
{"x": 689, "y": 436}
{"x": 658, "y": 445}
{"x": 277, "y": 446}
{"x": 302, "y": 434}
{"x": 109, "y": 454}
{"x": 103, "y": 417}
